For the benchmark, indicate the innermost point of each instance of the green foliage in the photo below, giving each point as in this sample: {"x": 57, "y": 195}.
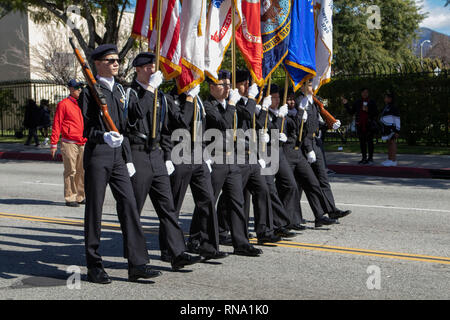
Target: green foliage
{"x": 356, "y": 46}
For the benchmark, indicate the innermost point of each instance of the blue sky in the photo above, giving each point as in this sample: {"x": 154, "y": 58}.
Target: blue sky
{"x": 438, "y": 16}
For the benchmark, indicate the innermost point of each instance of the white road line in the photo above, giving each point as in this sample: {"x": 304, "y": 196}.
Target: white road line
{"x": 44, "y": 183}
{"x": 387, "y": 207}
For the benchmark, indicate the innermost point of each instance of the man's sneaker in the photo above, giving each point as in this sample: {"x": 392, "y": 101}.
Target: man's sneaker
{"x": 389, "y": 163}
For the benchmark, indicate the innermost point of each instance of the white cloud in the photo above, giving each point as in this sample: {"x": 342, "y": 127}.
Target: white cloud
{"x": 438, "y": 16}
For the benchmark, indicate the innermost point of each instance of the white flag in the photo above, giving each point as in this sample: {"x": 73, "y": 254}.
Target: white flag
{"x": 323, "y": 13}
{"x": 192, "y": 35}
{"x": 219, "y": 33}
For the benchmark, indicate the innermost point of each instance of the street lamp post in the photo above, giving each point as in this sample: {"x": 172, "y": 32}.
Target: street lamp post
{"x": 421, "y": 51}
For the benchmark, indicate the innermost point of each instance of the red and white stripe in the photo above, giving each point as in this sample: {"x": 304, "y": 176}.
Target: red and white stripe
{"x": 170, "y": 53}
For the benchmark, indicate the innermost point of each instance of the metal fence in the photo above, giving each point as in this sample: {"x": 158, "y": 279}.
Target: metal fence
{"x": 14, "y": 96}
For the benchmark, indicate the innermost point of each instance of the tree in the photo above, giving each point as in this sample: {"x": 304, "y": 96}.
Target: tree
{"x": 104, "y": 15}
{"x": 356, "y": 46}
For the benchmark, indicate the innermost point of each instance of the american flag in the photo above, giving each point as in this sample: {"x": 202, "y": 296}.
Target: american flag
{"x": 144, "y": 27}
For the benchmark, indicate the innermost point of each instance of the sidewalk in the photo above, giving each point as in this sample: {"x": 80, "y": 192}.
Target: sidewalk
{"x": 409, "y": 165}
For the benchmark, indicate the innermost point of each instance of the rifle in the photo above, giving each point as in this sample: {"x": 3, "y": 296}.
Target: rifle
{"x": 329, "y": 119}
{"x": 99, "y": 97}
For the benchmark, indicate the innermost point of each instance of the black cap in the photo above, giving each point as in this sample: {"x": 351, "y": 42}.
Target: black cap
{"x": 274, "y": 88}
{"x": 242, "y": 75}
{"x": 222, "y": 74}
{"x": 104, "y": 50}
{"x": 74, "y": 83}
{"x": 144, "y": 58}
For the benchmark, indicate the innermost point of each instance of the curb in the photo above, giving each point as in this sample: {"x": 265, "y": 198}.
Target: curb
{"x": 29, "y": 156}
{"x": 392, "y": 172}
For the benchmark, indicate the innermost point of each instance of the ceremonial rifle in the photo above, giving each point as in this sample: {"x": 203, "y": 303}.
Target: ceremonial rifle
{"x": 329, "y": 119}
{"x": 99, "y": 97}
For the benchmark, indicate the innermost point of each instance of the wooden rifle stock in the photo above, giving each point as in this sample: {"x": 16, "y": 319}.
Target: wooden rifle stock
{"x": 329, "y": 119}
{"x": 95, "y": 89}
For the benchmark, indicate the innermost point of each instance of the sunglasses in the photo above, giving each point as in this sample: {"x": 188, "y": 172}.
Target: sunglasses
{"x": 78, "y": 88}
{"x": 111, "y": 61}
{"x": 225, "y": 85}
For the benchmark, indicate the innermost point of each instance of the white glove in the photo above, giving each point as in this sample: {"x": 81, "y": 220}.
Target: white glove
{"x": 208, "y": 163}
{"x": 156, "y": 79}
{"x": 258, "y": 109}
{"x": 267, "y": 102}
{"x": 194, "y": 91}
{"x": 305, "y": 115}
{"x": 234, "y": 96}
{"x": 266, "y": 138}
{"x": 336, "y": 125}
{"x": 283, "y": 137}
{"x": 311, "y": 157}
{"x": 283, "y": 111}
{"x": 113, "y": 139}
{"x": 253, "y": 91}
{"x": 262, "y": 163}
{"x": 131, "y": 169}
{"x": 170, "y": 167}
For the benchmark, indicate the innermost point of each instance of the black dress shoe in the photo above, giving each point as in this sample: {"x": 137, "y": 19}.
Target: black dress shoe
{"x": 142, "y": 271}
{"x": 297, "y": 227}
{"x": 339, "y": 214}
{"x": 213, "y": 255}
{"x": 98, "y": 275}
{"x": 193, "y": 246}
{"x": 249, "y": 251}
{"x": 324, "y": 221}
{"x": 363, "y": 161}
{"x": 184, "y": 259}
{"x": 72, "y": 204}
{"x": 284, "y": 233}
{"x": 269, "y": 238}
{"x": 225, "y": 241}
{"x": 82, "y": 202}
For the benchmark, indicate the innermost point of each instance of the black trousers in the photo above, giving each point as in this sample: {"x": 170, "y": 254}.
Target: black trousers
{"x": 204, "y": 225}
{"x": 281, "y": 218}
{"x": 322, "y": 176}
{"x": 288, "y": 191}
{"x": 306, "y": 180}
{"x": 366, "y": 144}
{"x": 254, "y": 183}
{"x": 227, "y": 178}
{"x": 104, "y": 165}
{"x": 32, "y": 134}
{"x": 151, "y": 179}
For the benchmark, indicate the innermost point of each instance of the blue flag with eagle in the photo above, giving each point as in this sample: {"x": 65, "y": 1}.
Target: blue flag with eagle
{"x": 275, "y": 31}
{"x": 300, "y": 62}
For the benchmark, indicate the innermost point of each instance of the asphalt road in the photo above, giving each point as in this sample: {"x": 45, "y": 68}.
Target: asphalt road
{"x": 395, "y": 245}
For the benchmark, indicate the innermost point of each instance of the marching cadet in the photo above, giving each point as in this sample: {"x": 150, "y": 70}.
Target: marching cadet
{"x": 151, "y": 157}
{"x": 285, "y": 183}
{"x": 313, "y": 153}
{"x": 303, "y": 172}
{"x": 104, "y": 164}
{"x": 193, "y": 171}
{"x": 252, "y": 180}
{"x": 226, "y": 177}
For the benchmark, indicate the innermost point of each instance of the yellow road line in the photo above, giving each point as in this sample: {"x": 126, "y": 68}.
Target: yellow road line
{"x": 286, "y": 244}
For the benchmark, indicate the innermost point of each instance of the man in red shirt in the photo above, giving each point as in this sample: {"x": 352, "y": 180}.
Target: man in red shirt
{"x": 68, "y": 122}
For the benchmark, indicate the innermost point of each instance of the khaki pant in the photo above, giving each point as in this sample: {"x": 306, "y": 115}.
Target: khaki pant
{"x": 72, "y": 155}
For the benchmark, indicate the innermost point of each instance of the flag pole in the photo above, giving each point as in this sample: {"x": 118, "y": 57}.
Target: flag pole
{"x": 158, "y": 49}
{"x": 233, "y": 60}
{"x": 286, "y": 86}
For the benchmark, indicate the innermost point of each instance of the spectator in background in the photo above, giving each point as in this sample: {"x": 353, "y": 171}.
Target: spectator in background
{"x": 365, "y": 111}
{"x": 31, "y": 121}
{"x": 44, "y": 121}
{"x": 390, "y": 120}
{"x": 68, "y": 122}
